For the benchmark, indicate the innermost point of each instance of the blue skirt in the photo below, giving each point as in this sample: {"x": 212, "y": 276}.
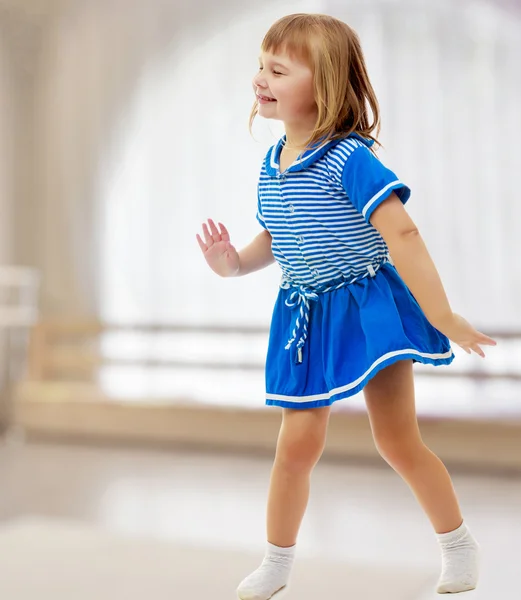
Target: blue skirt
{"x": 353, "y": 333}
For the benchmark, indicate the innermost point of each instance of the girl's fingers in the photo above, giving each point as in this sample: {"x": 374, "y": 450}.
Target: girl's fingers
{"x": 212, "y": 235}
{"x": 215, "y": 232}
{"x": 224, "y": 233}
{"x": 481, "y": 338}
{"x": 484, "y": 339}
{"x": 472, "y": 346}
{"x": 477, "y": 349}
{"x": 207, "y": 236}
{"x": 202, "y": 245}
{"x": 464, "y": 346}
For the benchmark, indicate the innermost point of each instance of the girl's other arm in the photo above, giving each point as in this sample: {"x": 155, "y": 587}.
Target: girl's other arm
{"x": 257, "y": 255}
{"x": 416, "y": 267}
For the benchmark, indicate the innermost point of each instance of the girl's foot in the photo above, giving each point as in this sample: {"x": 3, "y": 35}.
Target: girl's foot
{"x": 460, "y": 561}
{"x": 271, "y": 577}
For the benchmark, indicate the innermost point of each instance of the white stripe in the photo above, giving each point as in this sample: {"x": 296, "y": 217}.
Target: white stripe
{"x": 274, "y": 165}
{"x": 350, "y": 386}
{"x": 379, "y": 195}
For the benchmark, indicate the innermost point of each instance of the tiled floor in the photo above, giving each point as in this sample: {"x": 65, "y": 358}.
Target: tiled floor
{"x": 358, "y": 513}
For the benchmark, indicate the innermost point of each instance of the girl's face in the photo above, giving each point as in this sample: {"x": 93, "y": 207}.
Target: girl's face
{"x": 284, "y": 90}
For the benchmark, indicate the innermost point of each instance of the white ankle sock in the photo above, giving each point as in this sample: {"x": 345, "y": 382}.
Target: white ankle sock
{"x": 460, "y": 561}
{"x": 270, "y": 577}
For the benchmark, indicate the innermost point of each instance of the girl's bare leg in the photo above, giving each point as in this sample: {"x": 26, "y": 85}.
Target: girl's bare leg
{"x": 301, "y": 442}
{"x": 391, "y": 404}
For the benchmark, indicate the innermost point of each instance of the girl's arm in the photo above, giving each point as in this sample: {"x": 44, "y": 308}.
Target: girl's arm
{"x": 412, "y": 259}
{"x": 257, "y": 255}
{"x": 417, "y": 269}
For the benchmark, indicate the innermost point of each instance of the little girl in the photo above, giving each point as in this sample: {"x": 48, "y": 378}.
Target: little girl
{"x": 360, "y": 299}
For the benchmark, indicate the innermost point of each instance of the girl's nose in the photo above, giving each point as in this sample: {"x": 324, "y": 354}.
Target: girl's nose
{"x": 259, "y": 80}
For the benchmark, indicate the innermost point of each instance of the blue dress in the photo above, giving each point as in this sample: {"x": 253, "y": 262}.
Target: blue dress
{"x": 343, "y": 312}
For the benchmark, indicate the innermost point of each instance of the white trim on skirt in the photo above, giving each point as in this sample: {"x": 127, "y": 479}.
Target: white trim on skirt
{"x": 349, "y": 386}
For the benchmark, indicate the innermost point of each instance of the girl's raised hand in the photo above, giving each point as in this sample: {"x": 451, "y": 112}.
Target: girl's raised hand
{"x": 218, "y": 251}
{"x": 462, "y": 333}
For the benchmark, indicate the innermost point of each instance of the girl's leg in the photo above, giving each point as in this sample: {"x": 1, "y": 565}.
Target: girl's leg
{"x": 300, "y": 444}
{"x": 392, "y": 413}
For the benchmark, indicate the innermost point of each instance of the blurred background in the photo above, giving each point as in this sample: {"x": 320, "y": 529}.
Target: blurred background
{"x": 131, "y": 377}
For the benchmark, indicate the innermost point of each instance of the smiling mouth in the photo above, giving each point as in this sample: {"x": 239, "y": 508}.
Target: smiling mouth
{"x": 265, "y": 98}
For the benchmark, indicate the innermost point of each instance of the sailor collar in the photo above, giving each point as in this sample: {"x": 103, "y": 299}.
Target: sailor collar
{"x": 309, "y": 157}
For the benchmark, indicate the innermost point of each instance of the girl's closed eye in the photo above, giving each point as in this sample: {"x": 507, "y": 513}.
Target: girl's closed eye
{"x": 274, "y": 72}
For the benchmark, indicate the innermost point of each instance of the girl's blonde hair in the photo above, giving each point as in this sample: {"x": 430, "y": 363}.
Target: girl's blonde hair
{"x": 343, "y": 91}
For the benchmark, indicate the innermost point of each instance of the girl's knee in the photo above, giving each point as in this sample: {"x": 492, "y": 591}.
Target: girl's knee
{"x": 302, "y": 439}
{"x": 401, "y": 455}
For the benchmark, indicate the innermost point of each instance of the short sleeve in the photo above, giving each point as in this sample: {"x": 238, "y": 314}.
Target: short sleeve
{"x": 368, "y": 182}
{"x": 260, "y": 216}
